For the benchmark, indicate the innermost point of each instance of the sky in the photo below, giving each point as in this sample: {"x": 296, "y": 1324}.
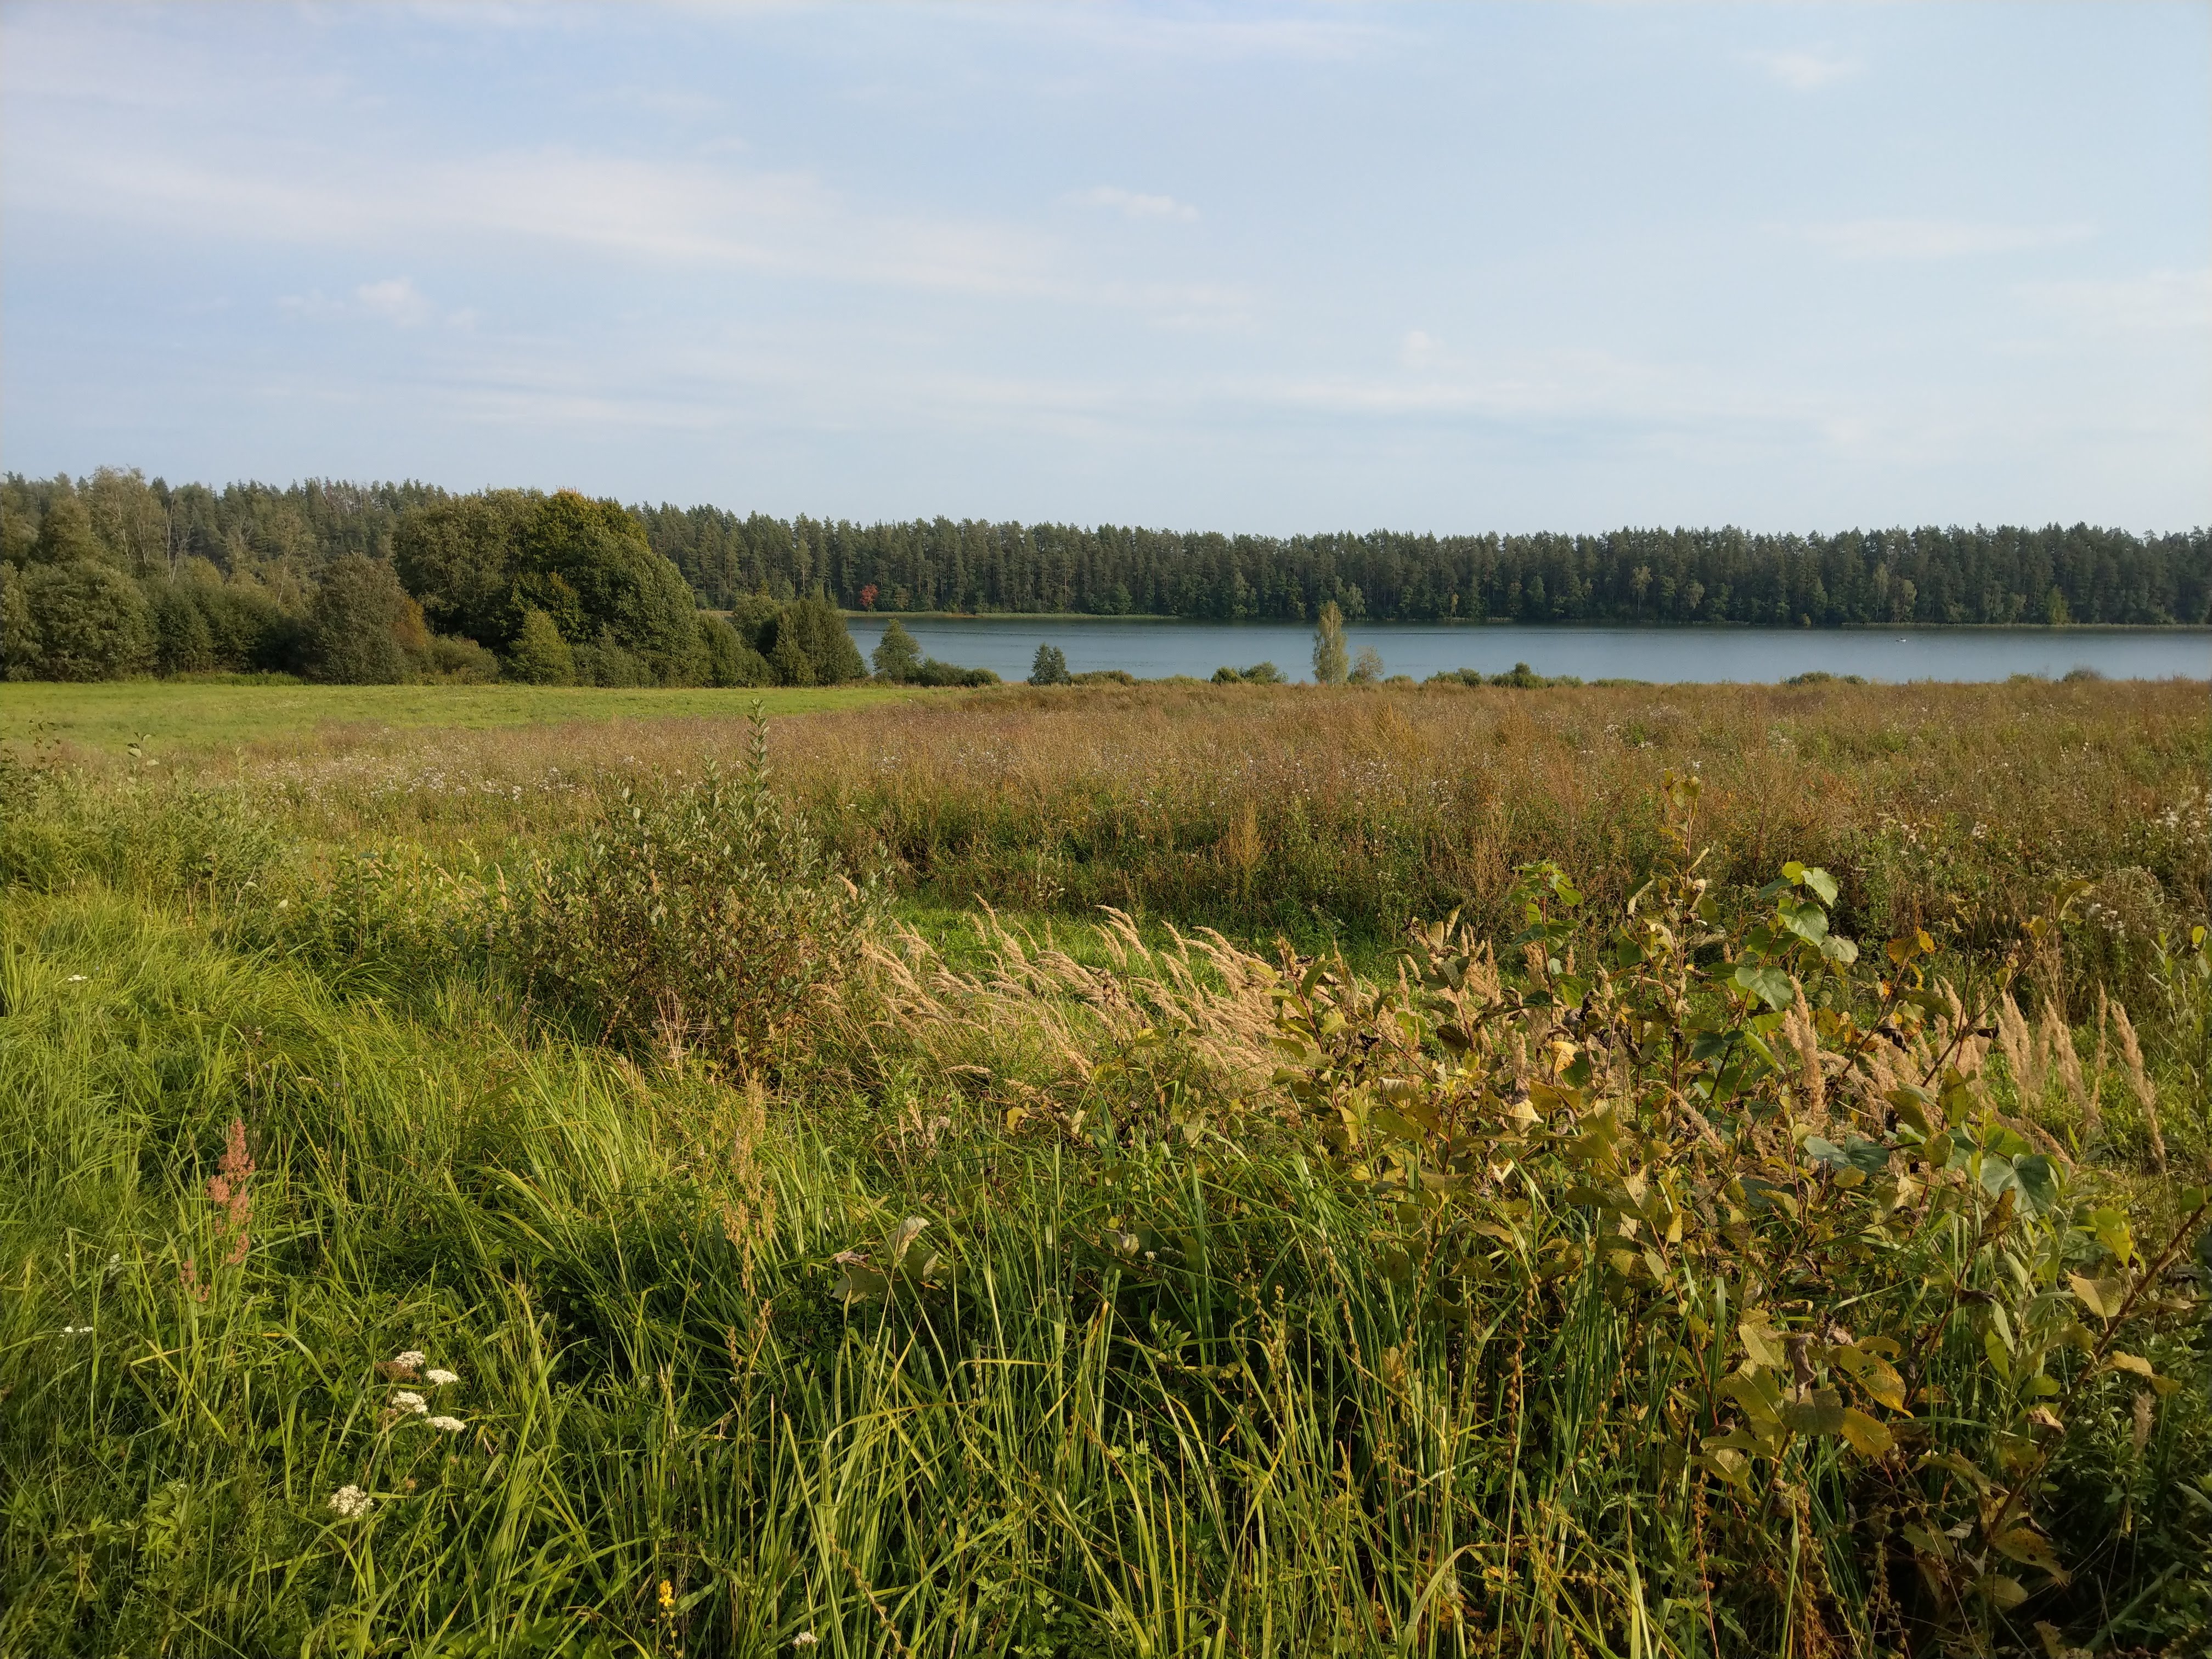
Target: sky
{"x": 1247, "y": 268}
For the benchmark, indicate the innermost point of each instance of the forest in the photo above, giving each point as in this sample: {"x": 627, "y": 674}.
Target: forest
{"x": 114, "y": 574}
{"x": 377, "y": 586}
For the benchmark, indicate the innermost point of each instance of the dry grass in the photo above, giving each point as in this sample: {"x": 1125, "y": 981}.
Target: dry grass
{"x": 1322, "y": 813}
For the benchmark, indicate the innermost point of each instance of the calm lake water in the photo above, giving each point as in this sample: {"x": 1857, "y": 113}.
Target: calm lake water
{"x": 1153, "y": 650}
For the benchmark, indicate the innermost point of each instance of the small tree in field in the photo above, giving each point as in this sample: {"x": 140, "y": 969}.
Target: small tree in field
{"x": 1050, "y": 667}
{"x": 1331, "y": 662}
{"x": 897, "y": 658}
{"x": 1368, "y": 669}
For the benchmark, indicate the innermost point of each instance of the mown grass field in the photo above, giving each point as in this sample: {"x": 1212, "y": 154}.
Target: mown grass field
{"x": 224, "y": 714}
{"x": 493, "y": 1172}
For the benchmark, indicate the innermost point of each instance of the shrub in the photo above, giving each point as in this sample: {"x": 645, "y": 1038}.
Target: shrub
{"x": 603, "y": 662}
{"x": 1781, "y": 1187}
{"x": 731, "y": 658}
{"x": 1260, "y": 673}
{"x": 699, "y": 917}
{"x": 86, "y": 621}
{"x": 1050, "y": 667}
{"x": 1368, "y": 669}
{"x": 539, "y": 656}
{"x": 1103, "y": 676}
{"x": 361, "y": 625}
{"x": 461, "y": 661}
{"x": 934, "y": 673}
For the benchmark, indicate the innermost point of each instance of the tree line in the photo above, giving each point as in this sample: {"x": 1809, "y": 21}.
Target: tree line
{"x": 117, "y": 573}
{"x": 377, "y": 584}
{"x": 2006, "y": 575}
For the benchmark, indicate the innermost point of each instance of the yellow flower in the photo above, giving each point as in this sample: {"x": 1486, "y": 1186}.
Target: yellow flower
{"x": 667, "y": 1597}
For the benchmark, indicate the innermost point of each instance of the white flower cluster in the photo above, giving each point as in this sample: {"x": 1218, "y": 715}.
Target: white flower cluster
{"x": 351, "y": 1501}
{"x": 408, "y": 1403}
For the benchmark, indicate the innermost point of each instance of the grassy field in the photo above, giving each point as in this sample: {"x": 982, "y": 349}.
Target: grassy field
{"x": 191, "y": 715}
{"x": 526, "y": 1173}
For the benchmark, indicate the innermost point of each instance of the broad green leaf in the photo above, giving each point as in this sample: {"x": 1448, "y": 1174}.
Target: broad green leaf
{"x": 1770, "y": 985}
{"x": 1821, "y": 883}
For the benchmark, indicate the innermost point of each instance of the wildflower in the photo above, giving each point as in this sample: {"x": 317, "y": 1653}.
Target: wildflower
{"x": 805, "y": 1638}
{"x": 411, "y": 1359}
{"x": 349, "y": 1501}
{"x": 438, "y": 1379}
{"x": 667, "y": 1597}
{"x": 447, "y": 1424}
{"x": 74, "y": 979}
{"x": 76, "y": 1330}
{"x": 408, "y": 1400}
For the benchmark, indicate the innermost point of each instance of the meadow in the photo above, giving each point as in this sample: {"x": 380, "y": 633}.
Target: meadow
{"x": 1171, "y": 1169}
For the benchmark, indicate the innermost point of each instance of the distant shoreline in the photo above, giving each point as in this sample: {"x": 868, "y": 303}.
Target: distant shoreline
{"x": 1508, "y": 621}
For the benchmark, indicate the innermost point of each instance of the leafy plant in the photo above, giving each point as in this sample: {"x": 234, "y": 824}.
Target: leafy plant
{"x": 700, "y": 916}
{"x": 1856, "y": 1304}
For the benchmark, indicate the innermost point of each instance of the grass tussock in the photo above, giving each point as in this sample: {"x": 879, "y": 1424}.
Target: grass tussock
{"x": 1667, "y": 1268}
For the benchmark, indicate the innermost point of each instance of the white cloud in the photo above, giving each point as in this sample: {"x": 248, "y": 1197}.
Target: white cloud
{"x": 394, "y": 300}
{"x": 1805, "y": 71}
{"x": 1936, "y": 239}
{"x": 1135, "y": 204}
{"x": 1418, "y": 348}
{"x": 660, "y": 214}
{"x": 397, "y": 300}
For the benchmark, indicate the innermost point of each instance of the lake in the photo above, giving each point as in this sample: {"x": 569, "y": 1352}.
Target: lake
{"x": 1154, "y": 650}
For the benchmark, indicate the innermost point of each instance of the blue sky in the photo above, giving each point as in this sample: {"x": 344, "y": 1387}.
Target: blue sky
{"x": 1248, "y": 267}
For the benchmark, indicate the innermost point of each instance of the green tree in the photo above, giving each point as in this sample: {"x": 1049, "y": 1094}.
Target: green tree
{"x": 788, "y": 659}
{"x": 1050, "y": 667}
{"x": 360, "y": 625}
{"x": 184, "y": 642}
{"x": 88, "y": 622}
{"x": 1330, "y": 661}
{"x": 538, "y": 655}
{"x": 1368, "y": 669}
{"x": 731, "y": 658}
{"x": 587, "y": 566}
{"x": 65, "y": 534}
{"x": 897, "y": 657}
{"x": 19, "y": 641}
{"x": 459, "y": 558}
{"x": 814, "y": 631}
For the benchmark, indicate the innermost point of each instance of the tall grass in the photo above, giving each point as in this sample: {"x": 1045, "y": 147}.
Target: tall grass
{"x": 1346, "y": 814}
{"x": 1161, "y": 1371}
